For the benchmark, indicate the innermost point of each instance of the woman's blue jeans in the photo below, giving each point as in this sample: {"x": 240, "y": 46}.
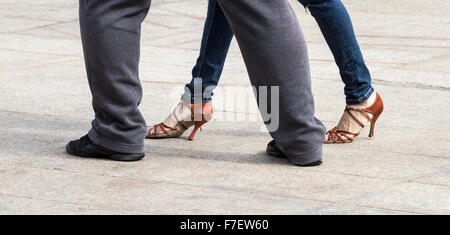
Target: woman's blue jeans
{"x": 335, "y": 24}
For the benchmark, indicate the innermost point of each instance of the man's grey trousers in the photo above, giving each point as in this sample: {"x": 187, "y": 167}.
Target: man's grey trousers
{"x": 272, "y": 45}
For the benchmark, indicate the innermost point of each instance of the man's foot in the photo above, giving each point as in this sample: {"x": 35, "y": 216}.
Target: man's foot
{"x": 84, "y": 147}
{"x": 354, "y": 119}
{"x": 274, "y": 151}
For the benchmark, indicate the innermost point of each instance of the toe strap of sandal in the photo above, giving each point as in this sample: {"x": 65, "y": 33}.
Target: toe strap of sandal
{"x": 161, "y": 126}
{"x": 337, "y": 135}
{"x": 345, "y": 136}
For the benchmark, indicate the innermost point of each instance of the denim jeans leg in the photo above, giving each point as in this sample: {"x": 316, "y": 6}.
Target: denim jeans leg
{"x": 216, "y": 40}
{"x": 337, "y": 28}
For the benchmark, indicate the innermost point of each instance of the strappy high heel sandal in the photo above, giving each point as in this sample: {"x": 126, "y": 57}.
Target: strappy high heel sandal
{"x": 199, "y": 115}
{"x": 335, "y": 136}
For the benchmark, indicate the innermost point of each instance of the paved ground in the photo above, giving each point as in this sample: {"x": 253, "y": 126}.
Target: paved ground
{"x": 45, "y": 102}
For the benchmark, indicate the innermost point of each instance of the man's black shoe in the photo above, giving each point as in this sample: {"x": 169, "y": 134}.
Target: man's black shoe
{"x": 274, "y": 151}
{"x": 84, "y": 147}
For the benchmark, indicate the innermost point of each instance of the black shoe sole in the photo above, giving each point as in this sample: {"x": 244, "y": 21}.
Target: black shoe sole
{"x": 114, "y": 157}
{"x": 127, "y": 158}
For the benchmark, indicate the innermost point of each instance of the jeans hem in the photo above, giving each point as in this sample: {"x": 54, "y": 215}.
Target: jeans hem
{"x": 361, "y": 99}
{"x": 111, "y": 145}
{"x": 195, "y": 99}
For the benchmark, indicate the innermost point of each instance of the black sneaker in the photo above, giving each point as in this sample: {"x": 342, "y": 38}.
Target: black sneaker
{"x": 274, "y": 151}
{"x": 84, "y": 147}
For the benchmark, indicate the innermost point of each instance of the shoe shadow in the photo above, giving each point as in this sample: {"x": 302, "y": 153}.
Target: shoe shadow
{"x": 26, "y": 134}
{"x": 259, "y": 158}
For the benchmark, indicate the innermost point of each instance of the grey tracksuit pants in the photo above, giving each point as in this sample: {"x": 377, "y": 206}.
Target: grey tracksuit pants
{"x": 272, "y": 45}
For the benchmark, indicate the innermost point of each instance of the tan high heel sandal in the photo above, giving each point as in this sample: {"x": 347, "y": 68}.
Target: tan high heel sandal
{"x": 199, "y": 116}
{"x": 336, "y": 136}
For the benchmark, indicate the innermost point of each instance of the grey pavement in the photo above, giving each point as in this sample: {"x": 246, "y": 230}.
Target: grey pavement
{"x": 45, "y": 102}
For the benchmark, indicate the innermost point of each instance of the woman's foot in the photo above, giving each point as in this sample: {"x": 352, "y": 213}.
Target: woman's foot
{"x": 183, "y": 117}
{"x": 354, "y": 119}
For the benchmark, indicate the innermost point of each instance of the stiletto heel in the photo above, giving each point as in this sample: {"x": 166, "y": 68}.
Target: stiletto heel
{"x": 376, "y": 109}
{"x": 206, "y": 116}
{"x": 372, "y": 128}
{"x": 196, "y": 128}
{"x": 337, "y": 136}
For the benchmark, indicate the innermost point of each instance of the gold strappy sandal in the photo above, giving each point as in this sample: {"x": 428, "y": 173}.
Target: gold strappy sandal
{"x": 197, "y": 119}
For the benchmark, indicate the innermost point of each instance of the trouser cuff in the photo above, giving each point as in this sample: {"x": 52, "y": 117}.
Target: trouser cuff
{"x": 117, "y": 147}
{"x": 307, "y": 158}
